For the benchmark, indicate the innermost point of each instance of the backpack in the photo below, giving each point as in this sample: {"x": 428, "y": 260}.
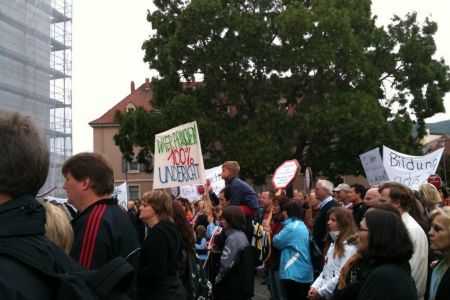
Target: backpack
{"x": 110, "y": 282}
{"x": 261, "y": 243}
{"x": 197, "y": 285}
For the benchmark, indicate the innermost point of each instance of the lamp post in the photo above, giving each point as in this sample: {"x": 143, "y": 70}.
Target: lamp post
{"x": 443, "y": 143}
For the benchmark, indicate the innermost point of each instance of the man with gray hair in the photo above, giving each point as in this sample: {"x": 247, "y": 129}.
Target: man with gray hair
{"x": 324, "y": 192}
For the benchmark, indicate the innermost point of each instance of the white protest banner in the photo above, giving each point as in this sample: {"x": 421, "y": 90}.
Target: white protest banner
{"x": 213, "y": 176}
{"x": 373, "y": 167}
{"x": 190, "y": 192}
{"x": 216, "y": 182}
{"x": 178, "y": 157}
{"x": 57, "y": 200}
{"x": 285, "y": 173}
{"x": 121, "y": 193}
{"x": 412, "y": 171}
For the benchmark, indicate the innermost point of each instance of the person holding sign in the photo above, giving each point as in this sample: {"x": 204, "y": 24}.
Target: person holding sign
{"x": 241, "y": 194}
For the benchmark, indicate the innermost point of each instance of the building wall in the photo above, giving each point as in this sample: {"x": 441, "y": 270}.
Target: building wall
{"x": 104, "y": 144}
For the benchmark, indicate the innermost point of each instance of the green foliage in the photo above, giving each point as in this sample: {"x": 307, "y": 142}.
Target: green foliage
{"x": 314, "y": 80}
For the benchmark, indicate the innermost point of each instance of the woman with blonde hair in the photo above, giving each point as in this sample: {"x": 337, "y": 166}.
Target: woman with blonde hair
{"x": 204, "y": 211}
{"x": 340, "y": 245}
{"x": 57, "y": 226}
{"x": 159, "y": 260}
{"x": 429, "y": 197}
{"x": 440, "y": 241}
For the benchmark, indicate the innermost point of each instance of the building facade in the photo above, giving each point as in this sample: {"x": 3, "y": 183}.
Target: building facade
{"x": 35, "y": 73}
{"x": 105, "y": 128}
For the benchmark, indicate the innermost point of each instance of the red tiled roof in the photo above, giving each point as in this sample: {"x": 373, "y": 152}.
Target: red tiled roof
{"x": 140, "y": 97}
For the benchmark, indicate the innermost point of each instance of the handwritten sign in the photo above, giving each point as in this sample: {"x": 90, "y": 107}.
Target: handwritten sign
{"x": 178, "y": 157}
{"x": 373, "y": 167}
{"x": 411, "y": 171}
{"x": 217, "y": 183}
{"x": 285, "y": 173}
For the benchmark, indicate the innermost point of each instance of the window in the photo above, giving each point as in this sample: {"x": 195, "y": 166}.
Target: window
{"x": 130, "y": 107}
{"x": 133, "y": 190}
{"x": 131, "y": 166}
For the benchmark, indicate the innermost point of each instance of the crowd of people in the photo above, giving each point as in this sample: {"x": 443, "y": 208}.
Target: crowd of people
{"x": 385, "y": 242}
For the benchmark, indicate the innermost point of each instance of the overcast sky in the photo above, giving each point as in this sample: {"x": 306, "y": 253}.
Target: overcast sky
{"x": 107, "y": 55}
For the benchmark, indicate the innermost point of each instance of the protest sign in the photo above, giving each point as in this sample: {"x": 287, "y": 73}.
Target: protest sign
{"x": 120, "y": 192}
{"x": 212, "y": 176}
{"x": 285, "y": 173}
{"x": 178, "y": 157}
{"x": 57, "y": 200}
{"x": 373, "y": 167}
{"x": 411, "y": 171}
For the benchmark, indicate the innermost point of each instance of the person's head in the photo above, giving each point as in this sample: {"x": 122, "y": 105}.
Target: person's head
{"x": 324, "y": 189}
{"x": 396, "y": 194}
{"x": 266, "y": 199}
{"x": 341, "y": 227}
{"x": 357, "y": 193}
{"x": 200, "y": 230}
{"x": 371, "y": 197}
{"x": 299, "y": 196}
{"x": 341, "y": 192}
{"x": 383, "y": 237}
{"x": 131, "y": 206}
{"x": 89, "y": 176}
{"x": 277, "y": 203}
{"x": 429, "y": 195}
{"x": 58, "y": 228}
{"x": 230, "y": 169}
{"x": 156, "y": 206}
{"x": 233, "y": 217}
{"x": 313, "y": 201}
{"x": 24, "y": 157}
{"x": 224, "y": 197}
{"x": 440, "y": 230}
{"x": 205, "y": 206}
{"x": 292, "y": 210}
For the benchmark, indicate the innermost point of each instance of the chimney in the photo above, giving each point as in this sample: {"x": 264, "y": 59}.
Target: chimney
{"x": 147, "y": 84}
{"x": 132, "y": 86}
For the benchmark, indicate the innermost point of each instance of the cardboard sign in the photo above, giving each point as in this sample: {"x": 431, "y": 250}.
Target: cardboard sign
{"x": 308, "y": 178}
{"x": 411, "y": 171}
{"x": 373, "y": 167}
{"x": 178, "y": 157}
{"x": 285, "y": 174}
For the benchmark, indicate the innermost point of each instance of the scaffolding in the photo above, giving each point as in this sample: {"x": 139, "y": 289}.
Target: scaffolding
{"x": 36, "y": 73}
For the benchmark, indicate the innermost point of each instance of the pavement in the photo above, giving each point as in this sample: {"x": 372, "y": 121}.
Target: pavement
{"x": 260, "y": 290}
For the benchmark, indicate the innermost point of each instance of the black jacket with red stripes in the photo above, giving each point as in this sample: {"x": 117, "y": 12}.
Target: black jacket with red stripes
{"x": 102, "y": 232}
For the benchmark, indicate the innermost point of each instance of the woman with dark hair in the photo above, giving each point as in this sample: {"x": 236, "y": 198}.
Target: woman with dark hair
{"x": 383, "y": 271}
{"x": 340, "y": 245}
{"x": 273, "y": 262}
{"x": 158, "y": 267}
{"x": 187, "y": 243}
{"x": 296, "y": 270}
{"x": 236, "y": 272}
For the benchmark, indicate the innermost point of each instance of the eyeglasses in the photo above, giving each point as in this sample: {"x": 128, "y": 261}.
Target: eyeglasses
{"x": 363, "y": 229}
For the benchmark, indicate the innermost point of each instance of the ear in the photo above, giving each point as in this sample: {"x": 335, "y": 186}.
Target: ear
{"x": 86, "y": 183}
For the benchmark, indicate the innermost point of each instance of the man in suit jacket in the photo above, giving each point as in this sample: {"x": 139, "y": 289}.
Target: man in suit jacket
{"x": 324, "y": 192}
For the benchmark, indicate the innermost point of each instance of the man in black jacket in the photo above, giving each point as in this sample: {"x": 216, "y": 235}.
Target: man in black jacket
{"x": 24, "y": 162}
{"x": 102, "y": 230}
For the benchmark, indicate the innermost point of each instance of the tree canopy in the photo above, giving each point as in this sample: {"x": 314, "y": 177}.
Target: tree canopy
{"x": 314, "y": 80}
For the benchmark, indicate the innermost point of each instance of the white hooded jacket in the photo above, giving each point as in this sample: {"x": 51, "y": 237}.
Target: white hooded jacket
{"x": 326, "y": 283}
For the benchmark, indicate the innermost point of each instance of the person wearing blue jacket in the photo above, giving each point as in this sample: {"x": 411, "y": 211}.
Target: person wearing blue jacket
{"x": 296, "y": 270}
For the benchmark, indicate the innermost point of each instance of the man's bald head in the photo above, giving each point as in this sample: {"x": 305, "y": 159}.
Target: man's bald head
{"x": 371, "y": 197}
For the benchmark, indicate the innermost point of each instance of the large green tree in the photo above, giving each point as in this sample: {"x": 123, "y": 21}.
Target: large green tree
{"x": 313, "y": 80}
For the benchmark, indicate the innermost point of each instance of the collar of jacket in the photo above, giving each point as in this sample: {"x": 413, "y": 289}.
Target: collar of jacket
{"x": 22, "y": 216}
{"x": 109, "y": 201}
